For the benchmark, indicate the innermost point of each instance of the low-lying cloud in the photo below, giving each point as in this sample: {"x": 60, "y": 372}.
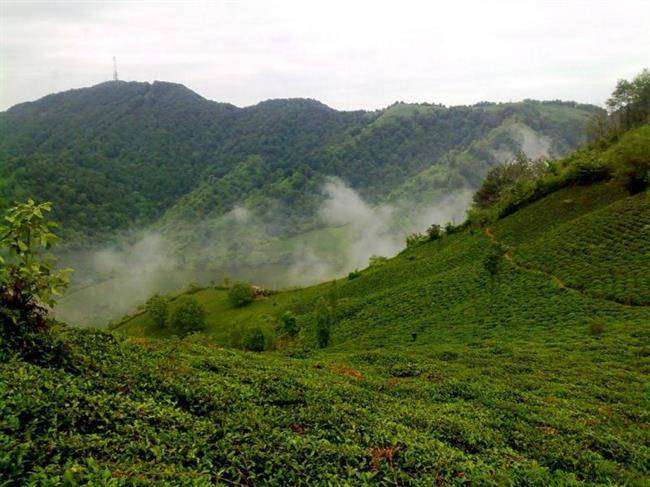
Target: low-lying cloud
{"x": 115, "y": 280}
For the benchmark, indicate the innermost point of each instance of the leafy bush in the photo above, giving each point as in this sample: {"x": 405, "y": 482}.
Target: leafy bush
{"x": 188, "y": 316}
{"x": 596, "y": 328}
{"x": 254, "y": 339}
{"x": 158, "y": 308}
{"x": 288, "y": 324}
{"x": 434, "y": 232}
{"x": 241, "y": 294}
{"x": 492, "y": 258}
{"x": 322, "y": 316}
{"x": 354, "y": 274}
{"x": 28, "y": 282}
{"x": 376, "y": 260}
{"x": 414, "y": 240}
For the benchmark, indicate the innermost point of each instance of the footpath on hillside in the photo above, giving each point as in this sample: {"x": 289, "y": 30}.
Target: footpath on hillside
{"x": 557, "y": 282}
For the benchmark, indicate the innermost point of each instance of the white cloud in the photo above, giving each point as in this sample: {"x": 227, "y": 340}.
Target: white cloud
{"x": 362, "y": 54}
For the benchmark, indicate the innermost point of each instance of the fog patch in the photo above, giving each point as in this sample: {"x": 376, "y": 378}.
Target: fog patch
{"x": 115, "y": 280}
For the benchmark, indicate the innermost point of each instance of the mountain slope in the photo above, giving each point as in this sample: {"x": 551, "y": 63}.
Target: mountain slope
{"x": 119, "y": 155}
{"x": 447, "y": 364}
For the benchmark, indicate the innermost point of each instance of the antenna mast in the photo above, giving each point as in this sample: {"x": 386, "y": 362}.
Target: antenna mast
{"x": 114, "y": 69}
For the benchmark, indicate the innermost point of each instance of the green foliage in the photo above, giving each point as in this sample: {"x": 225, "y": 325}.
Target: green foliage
{"x": 630, "y": 101}
{"x": 504, "y": 176}
{"x": 158, "y": 308}
{"x": 121, "y": 155}
{"x": 434, "y": 232}
{"x": 254, "y": 339}
{"x": 492, "y": 258}
{"x": 188, "y": 316}
{"x": 626, "y": 159}
{"x": 241, "y": 294}
{"x": 288, "y": 324}
{"x": 596, "y": 328}
{"x": 415, "y": 239}
{"x": 439, "y": 374}
{"x": 29, "y": 283}
{"x": 376, "y": 260}
{"x": 354, "y": 274}
{"x": 323, "y": 319}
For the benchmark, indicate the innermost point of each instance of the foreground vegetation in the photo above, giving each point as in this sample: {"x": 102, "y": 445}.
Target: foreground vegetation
{"x": 437, "y": 371}
{"x": 511, "y": 350}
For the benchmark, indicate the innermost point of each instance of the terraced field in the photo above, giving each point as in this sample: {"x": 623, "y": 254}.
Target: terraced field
{"x": 439, "y": 372}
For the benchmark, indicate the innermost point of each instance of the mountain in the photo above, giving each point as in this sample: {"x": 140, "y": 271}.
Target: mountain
{"x": 510, "y": 350}
{"x": 123, "y": 155}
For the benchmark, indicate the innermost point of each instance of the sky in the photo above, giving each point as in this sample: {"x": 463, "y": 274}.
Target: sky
{"x": 352, "y": 54}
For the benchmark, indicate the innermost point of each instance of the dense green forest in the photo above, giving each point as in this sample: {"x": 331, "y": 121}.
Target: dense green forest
{"x": 124, "y": 155}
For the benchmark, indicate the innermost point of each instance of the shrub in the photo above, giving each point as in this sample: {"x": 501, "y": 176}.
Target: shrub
{"x": 254, "y": 340}
{"x": 323, "y": 320}
{"x": 241, "y": 294}
{"x": 434, "y": 232}
{"x": 596, "y": 328}
{"x": 288, "y": 324}
{"x": 492, "y": 258}
{"x": 189, "y": 316}
{"x": 158, "y": 308}
{"x": 354, "y": 274}
{"x": 29, "y": 285}
{"x": 376, "y": 260}
{"x": 414, "y": 240}
{"x": 450, "y": 228}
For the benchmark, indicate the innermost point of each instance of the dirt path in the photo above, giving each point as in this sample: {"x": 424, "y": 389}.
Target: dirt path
{"x": 557, "y": 282}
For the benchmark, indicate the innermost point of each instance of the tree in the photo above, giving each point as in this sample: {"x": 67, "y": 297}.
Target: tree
{"x": 241, "y": 294}
{"x": 189, "y": 316}
{"x": 158, "y": 308}
{"x": 323, "y": 319}
{"x": 29, "y": 284}
{"x": 630, "y": 100}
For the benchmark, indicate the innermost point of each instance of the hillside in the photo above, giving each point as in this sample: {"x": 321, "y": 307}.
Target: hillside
{"x": 513, "y": 353}
{"x": 122, "y": 155}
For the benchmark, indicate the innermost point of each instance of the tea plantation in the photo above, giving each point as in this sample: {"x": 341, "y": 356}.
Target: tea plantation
{"x": 515, "y": 354}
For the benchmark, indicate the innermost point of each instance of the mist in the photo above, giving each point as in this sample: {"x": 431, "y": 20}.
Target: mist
{"x": 115, "y": 280}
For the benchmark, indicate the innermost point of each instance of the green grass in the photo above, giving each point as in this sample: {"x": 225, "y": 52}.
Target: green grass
{"x": 437, "y": 373}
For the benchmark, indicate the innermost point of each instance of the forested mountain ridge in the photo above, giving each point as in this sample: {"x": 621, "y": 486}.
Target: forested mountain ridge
{"x": 122, "y": 154}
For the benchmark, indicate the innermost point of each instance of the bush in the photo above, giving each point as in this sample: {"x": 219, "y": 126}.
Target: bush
{"x": 434, "y": 232}
{"x": 596, "y": 328}
{"x": 354, "y": 274}
{"x": 492, "y": 258}
{"x": 188, "y": 316}
{"x": 158, "y": 308}
{"x": 254, "y": 340}
{"x": 414, "y": 240}
{"x": 377, "y": 260}
{"x": 322, "y": 315}
{"x": 29, "y": 284}
{"x": 241, "y": 294}
{"x": 288, "y": 324}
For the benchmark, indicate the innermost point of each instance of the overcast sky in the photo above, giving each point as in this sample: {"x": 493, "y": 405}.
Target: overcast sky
{"x": 348, "y": 54}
